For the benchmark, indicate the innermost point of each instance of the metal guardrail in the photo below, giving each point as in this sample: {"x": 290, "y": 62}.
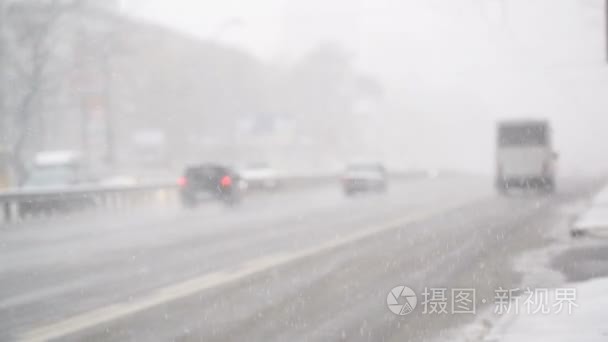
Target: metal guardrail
{"x": 20, "y": 203}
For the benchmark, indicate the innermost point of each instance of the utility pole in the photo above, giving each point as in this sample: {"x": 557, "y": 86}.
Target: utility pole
{"x": 606, "y": 27}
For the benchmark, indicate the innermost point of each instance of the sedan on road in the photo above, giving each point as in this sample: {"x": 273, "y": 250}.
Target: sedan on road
{"x": 260, "y": 176}
{"x": 209, "y": 182}
{"x": 364, "y": 177}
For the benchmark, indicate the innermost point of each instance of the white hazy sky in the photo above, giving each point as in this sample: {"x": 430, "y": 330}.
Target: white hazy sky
{"x": 456, "y": 65}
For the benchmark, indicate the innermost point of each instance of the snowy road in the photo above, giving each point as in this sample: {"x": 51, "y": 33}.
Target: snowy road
{"x": 295, "y": 265}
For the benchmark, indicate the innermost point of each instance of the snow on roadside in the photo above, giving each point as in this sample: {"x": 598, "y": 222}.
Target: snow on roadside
{"x": 586, "y": 322}
{"x": 594, "y": 221}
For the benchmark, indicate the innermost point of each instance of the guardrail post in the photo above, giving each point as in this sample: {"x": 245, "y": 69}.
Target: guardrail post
{"x": 7, "y": 212}
{"x": 118, "y": 203}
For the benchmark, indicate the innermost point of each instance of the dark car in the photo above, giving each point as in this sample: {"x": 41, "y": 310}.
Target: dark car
{"x": 364, "y": 177}
{"x": 209, "y": 182}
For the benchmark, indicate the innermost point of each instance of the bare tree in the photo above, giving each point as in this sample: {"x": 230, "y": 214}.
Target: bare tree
{"x": 26, "y": 50}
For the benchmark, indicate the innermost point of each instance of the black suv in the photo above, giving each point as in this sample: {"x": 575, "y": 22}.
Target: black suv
{"x": 209, "y": 182}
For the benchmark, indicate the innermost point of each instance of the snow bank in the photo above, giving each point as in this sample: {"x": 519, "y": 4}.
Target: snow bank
{"x": 595, "y": 220}
{"x": 587, "y": 322}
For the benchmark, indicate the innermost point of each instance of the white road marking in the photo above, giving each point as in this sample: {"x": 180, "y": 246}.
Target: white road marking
{"x": 208, "y": 281}
{"x": 34, "y": 296}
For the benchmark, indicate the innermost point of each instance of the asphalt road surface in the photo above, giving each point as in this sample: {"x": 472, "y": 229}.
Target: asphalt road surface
{"x": 305, "y": 265}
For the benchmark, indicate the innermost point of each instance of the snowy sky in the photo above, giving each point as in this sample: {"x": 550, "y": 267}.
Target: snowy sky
{"x": 458, "y": 63}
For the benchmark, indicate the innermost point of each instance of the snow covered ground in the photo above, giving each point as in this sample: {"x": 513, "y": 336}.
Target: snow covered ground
{"x": 594, "y": 221}
{"x": 587, "y": 319}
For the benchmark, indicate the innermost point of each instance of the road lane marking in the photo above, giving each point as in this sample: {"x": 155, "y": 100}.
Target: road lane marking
{"x": 38, "y": 295}
{"x": 190, "y": 287}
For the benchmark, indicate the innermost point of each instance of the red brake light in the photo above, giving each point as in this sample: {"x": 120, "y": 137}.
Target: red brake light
{"x": 182, "y": 181}
{"x": 226, "y": 181}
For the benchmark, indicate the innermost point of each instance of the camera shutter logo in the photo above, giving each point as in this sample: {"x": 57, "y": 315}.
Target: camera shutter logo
{"x": 401, "y": 300}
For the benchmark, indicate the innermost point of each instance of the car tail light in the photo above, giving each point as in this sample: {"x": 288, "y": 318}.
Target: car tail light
{"x": 226, "y": 181}
{"x": 182, "y": 181}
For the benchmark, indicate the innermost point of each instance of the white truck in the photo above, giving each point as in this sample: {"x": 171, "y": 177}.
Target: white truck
{"x": 524, "y": 155}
